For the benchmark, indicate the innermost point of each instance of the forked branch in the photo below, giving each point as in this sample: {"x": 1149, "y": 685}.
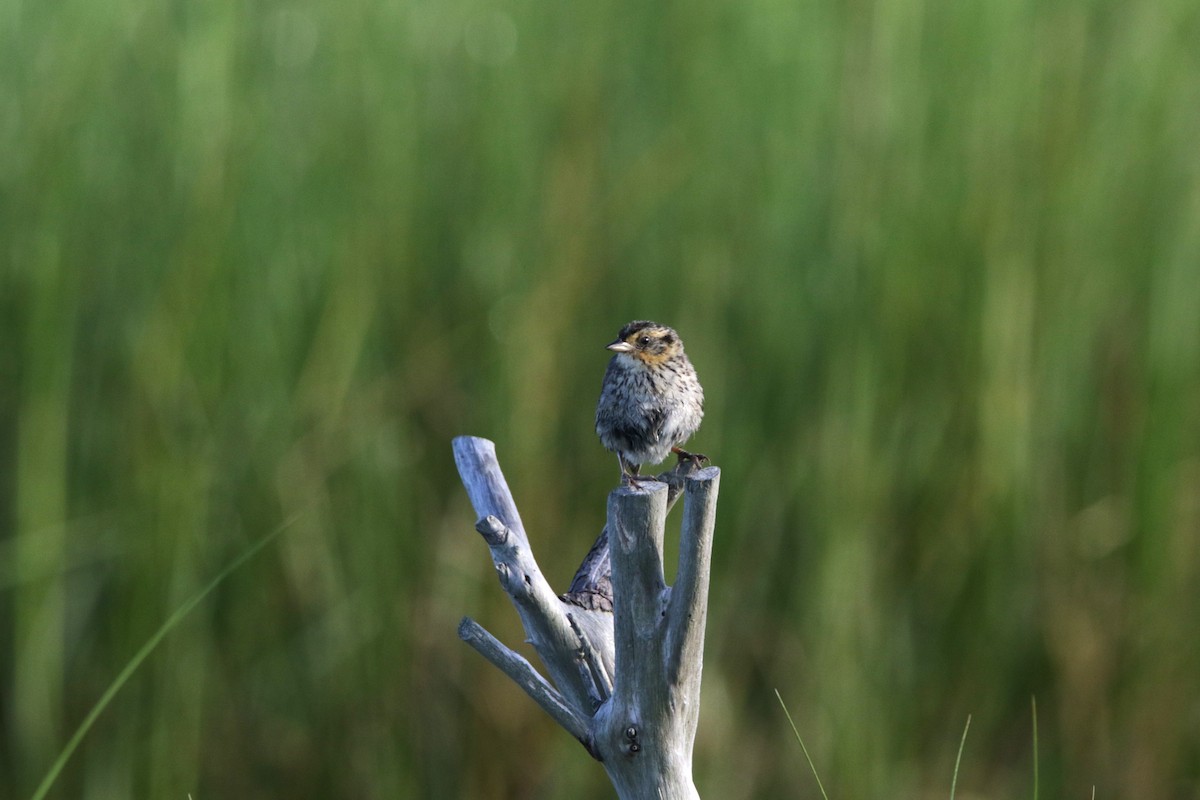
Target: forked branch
{"x": 623, "y": 650}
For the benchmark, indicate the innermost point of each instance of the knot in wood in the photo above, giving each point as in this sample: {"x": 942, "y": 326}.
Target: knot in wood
{"x": 635, "y": 747}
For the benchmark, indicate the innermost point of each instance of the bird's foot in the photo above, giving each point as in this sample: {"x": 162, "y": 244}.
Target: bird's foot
{"x": 633, "y": 481}
{"x": 696, "y": 458}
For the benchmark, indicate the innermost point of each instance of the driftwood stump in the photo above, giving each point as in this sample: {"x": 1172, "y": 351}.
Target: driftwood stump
{"x": 623, "y": 650}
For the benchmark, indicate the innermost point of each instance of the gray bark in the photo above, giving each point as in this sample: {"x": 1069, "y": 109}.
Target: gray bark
{"x": 624, "y": 651}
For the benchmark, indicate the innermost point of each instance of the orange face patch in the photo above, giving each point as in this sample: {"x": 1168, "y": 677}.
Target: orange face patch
{"x": 653, "y": 359}
{"x": 653, "y": 346}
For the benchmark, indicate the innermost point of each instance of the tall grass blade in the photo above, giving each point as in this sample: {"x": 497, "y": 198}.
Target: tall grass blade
{"x": 145, "y": 651}
{"x": 958, "y": 760}
{"x": 1033, "y": 701}
{"x": 811, "y": 766}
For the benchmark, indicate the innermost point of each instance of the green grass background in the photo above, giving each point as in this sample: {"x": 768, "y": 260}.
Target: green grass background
{"x": 938, "y": 266}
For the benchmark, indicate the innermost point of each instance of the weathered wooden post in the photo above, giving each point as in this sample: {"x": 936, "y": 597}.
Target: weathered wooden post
{"x": 624, "y": 651}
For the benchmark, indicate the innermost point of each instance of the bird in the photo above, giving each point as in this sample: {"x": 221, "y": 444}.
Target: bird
{"x": 651, "y": 400}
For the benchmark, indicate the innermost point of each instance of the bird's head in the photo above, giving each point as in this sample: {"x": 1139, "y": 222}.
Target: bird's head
{"x": 647, "y": 342}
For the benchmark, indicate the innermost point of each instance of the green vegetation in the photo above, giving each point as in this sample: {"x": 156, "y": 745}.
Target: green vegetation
{"x": 958, "y": 758}
{"x": 938, "y": 266}
{"x": 808, "y": 758}
{"x": 142, "y": 654}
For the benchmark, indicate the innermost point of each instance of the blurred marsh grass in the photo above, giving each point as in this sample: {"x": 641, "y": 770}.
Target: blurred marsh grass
{"x": 937, "y": 265}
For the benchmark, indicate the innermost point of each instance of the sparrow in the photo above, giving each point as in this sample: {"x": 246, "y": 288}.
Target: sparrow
{"x": 651, "y": 400}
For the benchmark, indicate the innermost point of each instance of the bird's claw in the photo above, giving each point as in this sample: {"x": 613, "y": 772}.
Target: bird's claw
{"x": 638, "y": 482}
{"x": 696, "y": 458}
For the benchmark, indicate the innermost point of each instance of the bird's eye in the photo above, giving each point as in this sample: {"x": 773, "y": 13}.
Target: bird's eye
{"x": 644, "y": 340}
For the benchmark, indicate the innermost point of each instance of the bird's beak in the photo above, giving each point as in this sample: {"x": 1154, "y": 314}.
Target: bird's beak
{"x": 620, "y": 347}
